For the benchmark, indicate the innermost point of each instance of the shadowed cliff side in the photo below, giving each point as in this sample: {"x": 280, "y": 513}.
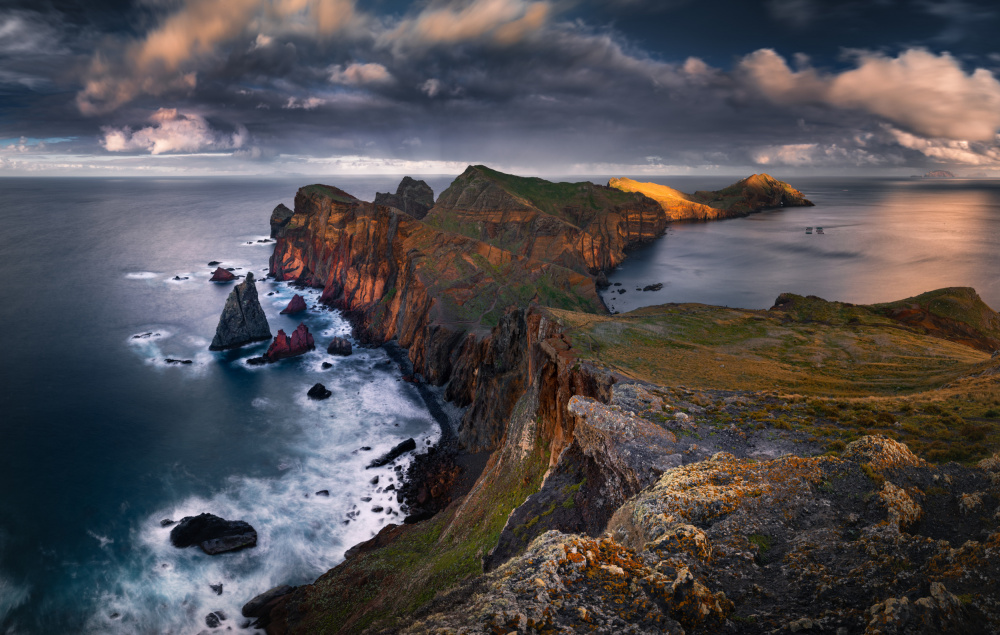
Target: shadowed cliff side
{"x": 752, "y": 194}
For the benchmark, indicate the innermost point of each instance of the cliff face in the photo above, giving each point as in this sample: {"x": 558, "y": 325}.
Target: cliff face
{"x": 752, "y": 194}
{"x": 581, "y": 226}
{"x": 436, "y": 292}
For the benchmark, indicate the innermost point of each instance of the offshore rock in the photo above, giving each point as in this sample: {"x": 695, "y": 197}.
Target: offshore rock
{"x": 283, "y": 346}
{"x": 296, "y": 305}
{"x": 413, "y": 197}
{"x": 339, "y": 346}
{"x": 213, "y": 534}
{"x": 221, "y": 275}
{"x": 243, "y": 320}
{"x": 319, "y": 391}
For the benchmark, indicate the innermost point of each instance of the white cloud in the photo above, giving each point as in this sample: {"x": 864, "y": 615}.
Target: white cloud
{"x": 929, "y": 94}
{"x": 949, "y": 150}
{"x": 431, "y": 87}
{"x": 816, "y": 154}
{"x": 172, "y": 131}
{"x": 359, "y": 74}
{"x": 309, "y": 103}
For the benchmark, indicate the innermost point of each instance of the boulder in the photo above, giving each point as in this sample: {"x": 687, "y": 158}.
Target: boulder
{"x": 283, "y": 346}
{"x": 296, "y": 305}
{"x": 339, "y": 346}
{"x": 221, "y": 275}
{"x": 319, "y": 391}
{"x": 242, "y": 320}
{"x": 213, "y": 534}
{"x": 406, "y": 446}
{"x": 214, "y": 263}
{"x": 216, "y": 588}
{"x": 653, "y": 287}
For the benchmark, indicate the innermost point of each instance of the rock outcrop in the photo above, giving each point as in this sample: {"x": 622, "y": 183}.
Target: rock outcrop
{"x": 242, "y": 321}
{"x": 412, "y": 197}
{"x": 213, "y": 534}
{"x": 283, "y": 346}
{"x": 752, "y": 194}
{"x": 296, "y": 305}
{"x": 222, "y": 275}
{"x": 580, "y": 226}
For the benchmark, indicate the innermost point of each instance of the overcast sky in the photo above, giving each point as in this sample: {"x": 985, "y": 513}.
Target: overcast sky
{"x": 534, "y": 86}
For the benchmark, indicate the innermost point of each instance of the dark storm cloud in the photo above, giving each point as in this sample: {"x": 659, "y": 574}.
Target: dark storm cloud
{"x": 516, "y": 82}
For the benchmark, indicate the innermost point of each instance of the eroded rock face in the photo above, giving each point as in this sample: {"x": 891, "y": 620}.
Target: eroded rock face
{"x": 283, "y": 346}
{"x": 242, "y": 321}
{"x": 412, "y": 197}
{"x": 339, "y": 346}
{"x": 797, "y": 543}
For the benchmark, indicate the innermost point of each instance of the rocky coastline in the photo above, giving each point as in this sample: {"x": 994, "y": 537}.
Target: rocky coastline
{"x": 568, "y": 442}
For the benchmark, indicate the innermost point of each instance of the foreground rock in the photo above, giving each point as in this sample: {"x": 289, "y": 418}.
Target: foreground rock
{"x": 261, "y": 605}
{"x": 412, "y": 197}
{"x": 339, "y": 346}
{"x": 283, "y": 346}
{"x": 221, "y": 275}
{"x": 862, "y": 544}
{"x": 213, "y": 534}
{"x": 296, "y": 305}
{"x": 242, "y": 321}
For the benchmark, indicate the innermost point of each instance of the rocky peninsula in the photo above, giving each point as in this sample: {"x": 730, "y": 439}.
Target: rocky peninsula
{"x": 817, "y": 467}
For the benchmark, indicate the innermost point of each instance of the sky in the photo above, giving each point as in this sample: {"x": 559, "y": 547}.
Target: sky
{"x": 547, "y": 87}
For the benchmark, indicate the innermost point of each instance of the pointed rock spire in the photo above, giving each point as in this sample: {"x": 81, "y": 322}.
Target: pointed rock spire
{"x": 242, "y": 320}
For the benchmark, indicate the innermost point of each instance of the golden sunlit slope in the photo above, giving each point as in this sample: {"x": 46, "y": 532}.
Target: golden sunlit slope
{"x": 752, "y": 194}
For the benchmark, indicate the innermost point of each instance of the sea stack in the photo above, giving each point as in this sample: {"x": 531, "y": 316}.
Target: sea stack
{"x": 242, "y": 321}
{"x": 221, "y": 275}
{"x": 283, "y": 346}
{"x": 297, "y": 305}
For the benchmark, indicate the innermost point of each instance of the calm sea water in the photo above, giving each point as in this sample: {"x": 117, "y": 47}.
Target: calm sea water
{"x": 883, "y": 240}
{"x": 100, "y": 439}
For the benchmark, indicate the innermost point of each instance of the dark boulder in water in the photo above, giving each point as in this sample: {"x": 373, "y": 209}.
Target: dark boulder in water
{"x": 339, "y": 346}
{"x": 214, "y": 619}
{"x": 406, "y": 446}
{"x": 171, "y": 360}
{"x": 318, "y": 391}
{"x": 242, "y": 320}
{"x": 214, "y": 263}
{"x": 221, "y": 275}
{"x": 327, "y": 365}
{"x": 653, "y": 287}
{"x": 297, "y": 305}
{"x": 166, "y": 522}
{"x": 216, "y": 588}
{"x": 283, "y": 346}
{"x": 323, "y": 492}
{"x": 213, "y": 534}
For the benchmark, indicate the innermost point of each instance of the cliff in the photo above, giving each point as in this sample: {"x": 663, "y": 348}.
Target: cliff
{"x": 580, "y": 226}
{"x": 752, "y": 194}
{"x": 412, "y": 197}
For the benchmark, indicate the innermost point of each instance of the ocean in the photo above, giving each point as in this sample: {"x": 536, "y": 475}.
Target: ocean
{"x": 102, "y": 439}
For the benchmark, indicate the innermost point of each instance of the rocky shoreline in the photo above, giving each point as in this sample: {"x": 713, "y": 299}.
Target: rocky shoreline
{"x": 567, "y": 441}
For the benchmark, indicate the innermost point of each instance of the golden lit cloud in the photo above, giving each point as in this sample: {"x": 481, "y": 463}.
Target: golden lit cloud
{"x": 504, "y": 21}
{"x": 172, "y": 131}
{"x": 929, "y": 94}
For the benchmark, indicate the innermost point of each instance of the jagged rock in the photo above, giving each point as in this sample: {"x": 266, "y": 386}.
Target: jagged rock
{"x": 279, "y": 218}
{"x": 319, "y": 391}
{"x": 283, "y": 346}
{"x": 412, "y": 197}
{"x": 166, "y": 522}
{"x": 653, "y": 287}
{"x": 406, "y": 446}
{"x": 214, "y": 619}
{"x": 339, "y": 346}
{"x": 213, "y": 534}
{"x": 216, "y": 588}
{"x": 242, "y": 321}
{"x": 296, "y": 305}
{"x": 222, "y": 275}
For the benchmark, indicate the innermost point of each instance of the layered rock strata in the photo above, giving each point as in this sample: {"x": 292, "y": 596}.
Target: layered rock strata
{"x": 242, "y": 321}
